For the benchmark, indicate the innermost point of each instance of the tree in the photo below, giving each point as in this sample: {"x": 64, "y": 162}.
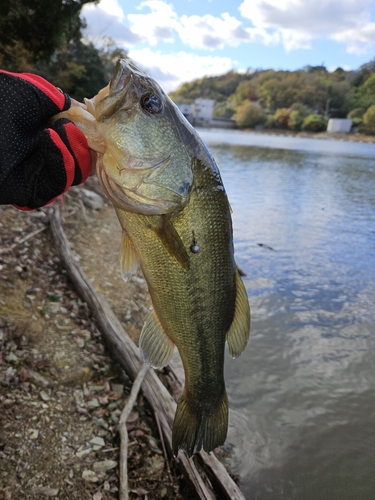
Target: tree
{"x": 356, "y": 115}
{"x": 269, "y": 90}
{"x": 314, "y": 123}
{"x": 314, "y": 69}
{"x": 365, "y": 94}
{"x": 32, "y": 30}
{"x": 282, "y": 117}
{"x": 365, "y": 71}
{"x": 77, "y": 69}
{"x": 229, "y": 82}
{"x": 249, "y": 115}
{"x": 368, "y": 126}
{"x": 298, "y": 114}
{"x": 224, "y": 109}
{"x": 340, "y": 95}
{"x": 213, "y": 87}
{"x": 282, "y": 88}
{"x": 246, "y": 90}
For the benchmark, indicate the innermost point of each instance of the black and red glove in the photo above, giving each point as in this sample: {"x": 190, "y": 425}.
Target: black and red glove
{"x": 38, "y": 162}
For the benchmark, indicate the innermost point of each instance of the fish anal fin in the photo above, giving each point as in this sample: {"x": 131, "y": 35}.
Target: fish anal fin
{"x": 172, "y": 241}
{"x": 129, "y": 259}
{"x": 239, "y": 331}
{"x": 155, "y": 345}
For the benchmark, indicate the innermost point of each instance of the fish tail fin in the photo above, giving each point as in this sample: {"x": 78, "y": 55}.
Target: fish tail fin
{"x": 196, "y": 427}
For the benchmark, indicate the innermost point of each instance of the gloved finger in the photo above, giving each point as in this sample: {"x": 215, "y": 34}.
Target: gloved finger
{"x": 35, "y": 99}
{"x": 61, "y": 159}
{"x": 42, "y": 176}
{"x": 76, "y": 142}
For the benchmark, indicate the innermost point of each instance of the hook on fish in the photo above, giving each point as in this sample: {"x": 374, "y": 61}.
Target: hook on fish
{"x": 194, "y": 247}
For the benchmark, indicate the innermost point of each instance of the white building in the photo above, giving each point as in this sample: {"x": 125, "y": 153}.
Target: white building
{"x": 339, "y": 125}
{"x": 200, "y": 113}
{"x": 203, "y": 109}
{"x": 186, "y": 109}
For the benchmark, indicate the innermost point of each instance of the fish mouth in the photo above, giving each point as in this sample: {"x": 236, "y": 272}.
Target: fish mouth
{"x": 120, "y": 77}
{"x": 118, "y": 96}
{"x": 124, "y": 71}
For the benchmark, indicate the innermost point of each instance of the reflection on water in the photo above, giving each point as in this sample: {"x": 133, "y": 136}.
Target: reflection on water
{"x": 303, "y": 393}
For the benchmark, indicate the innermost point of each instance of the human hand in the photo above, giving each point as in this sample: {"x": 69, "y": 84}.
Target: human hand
{"x": 38, "y": 160}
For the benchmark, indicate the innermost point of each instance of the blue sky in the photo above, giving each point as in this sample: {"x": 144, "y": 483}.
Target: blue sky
{"x": 180, "y": 40}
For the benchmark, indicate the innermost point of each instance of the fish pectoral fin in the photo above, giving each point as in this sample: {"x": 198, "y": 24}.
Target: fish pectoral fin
{"x": 129, "y": 259}
{"x": 155, "y": 345}
{"x": 172, "y": 241}
{"x": 239, "y": 331}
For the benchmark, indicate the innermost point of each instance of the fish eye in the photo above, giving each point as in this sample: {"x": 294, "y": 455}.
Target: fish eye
{"x": 151, "y": 103}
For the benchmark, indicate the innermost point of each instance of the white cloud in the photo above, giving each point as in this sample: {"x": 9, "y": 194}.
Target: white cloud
{"x": 212, "y": 32}
{"x": 300, "y": 21}
{"x": 295, "y": 23}
{"x": 203, "y": 32}
{"x": 113, "y": 8}
{"x": 158, "y": 25}
{"x": 170, "y": 70}
{"x": 106, "y": 20}
{"x": 359, "y": 41}
{"x": 314, "y": 17}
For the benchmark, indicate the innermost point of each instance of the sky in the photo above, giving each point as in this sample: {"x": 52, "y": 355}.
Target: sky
{"x": 180, "y": 40}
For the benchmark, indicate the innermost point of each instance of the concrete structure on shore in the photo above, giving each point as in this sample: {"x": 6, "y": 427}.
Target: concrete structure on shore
{"x": 339, "y": 125}
{"x": 220, "y": 122}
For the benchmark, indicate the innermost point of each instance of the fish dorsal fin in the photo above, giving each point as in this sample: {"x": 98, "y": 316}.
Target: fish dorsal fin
{"x": 155, "y": 345}
{"x": 172, "y": 241}
{"x": 129, "y": 259}
{"x": 239, "y": 331}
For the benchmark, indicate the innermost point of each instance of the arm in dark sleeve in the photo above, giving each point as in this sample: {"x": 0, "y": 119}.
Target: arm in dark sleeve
{"x": 38, "y": 162}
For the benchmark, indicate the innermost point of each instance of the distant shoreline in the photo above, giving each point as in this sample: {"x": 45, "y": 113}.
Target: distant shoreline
{"x": 317, "y": 135}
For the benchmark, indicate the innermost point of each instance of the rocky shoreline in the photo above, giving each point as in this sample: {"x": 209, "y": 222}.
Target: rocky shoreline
{"x": 60, "y": 393}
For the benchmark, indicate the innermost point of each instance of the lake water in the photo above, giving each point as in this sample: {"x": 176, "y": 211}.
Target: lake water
{"x": 303, "y": 393}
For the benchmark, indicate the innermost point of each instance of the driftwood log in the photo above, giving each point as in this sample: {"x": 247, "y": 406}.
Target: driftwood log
{"x": 126, "y": 353}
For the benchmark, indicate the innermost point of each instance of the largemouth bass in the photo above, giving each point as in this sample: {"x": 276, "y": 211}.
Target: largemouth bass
{"x": 176, "y": 223}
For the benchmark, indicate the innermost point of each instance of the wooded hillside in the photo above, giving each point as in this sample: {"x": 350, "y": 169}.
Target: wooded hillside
{"x": 285, "y": 99}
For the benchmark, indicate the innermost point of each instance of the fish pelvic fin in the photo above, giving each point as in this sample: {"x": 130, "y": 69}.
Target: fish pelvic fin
{"x": 155, "y": 345}
{"x": 129, "y": 260}
{"x": 239, "y": 331}
{"x": 196, "y": 427}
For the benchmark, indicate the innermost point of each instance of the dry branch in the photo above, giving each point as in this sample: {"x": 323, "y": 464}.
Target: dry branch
{"x": 127, "y": 354}
{"x": 124, "y": 495}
